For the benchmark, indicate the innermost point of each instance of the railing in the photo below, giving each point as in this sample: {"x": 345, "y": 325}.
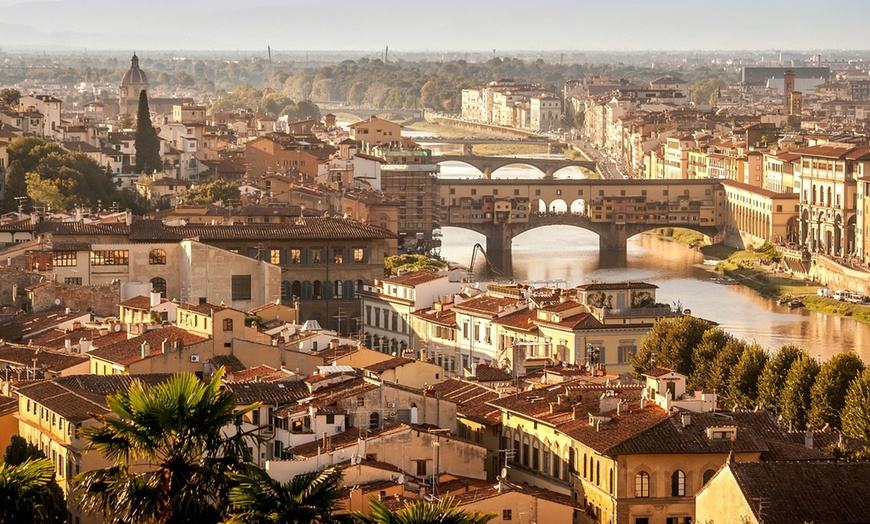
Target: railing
{"x": 634, "y": 312}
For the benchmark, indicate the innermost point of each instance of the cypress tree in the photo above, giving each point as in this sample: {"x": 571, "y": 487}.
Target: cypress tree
{"x": 146, "y": 142}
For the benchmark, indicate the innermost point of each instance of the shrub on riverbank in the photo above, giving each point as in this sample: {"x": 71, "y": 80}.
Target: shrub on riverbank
{"x": 685, "y": 236}
{"x": 837, "y": 307}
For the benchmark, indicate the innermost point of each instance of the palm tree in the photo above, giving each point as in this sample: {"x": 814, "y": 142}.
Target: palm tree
{"x": 421, "y": 512}
{"x": 308, "y": 498}
{"x": 25, "y": 496}
{"x": 172, "y": 451}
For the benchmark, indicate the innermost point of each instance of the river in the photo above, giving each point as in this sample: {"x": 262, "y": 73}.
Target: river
{"x": 571, "y": 255}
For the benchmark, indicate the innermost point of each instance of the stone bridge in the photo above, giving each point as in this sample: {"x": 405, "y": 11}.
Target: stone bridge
{"x": 489, "y": 164}
{"x": 615, "y": 210}
{"x": 364, "y": 113}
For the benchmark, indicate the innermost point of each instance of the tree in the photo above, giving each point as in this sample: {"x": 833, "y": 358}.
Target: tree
{"x": 772, "y": 380}
{"x": 796, "y": 393}
{"x": 743, "y": 381}
{"x": 9, "y": 98}
{"x": 51, "y": 500}
{"x": 672, "y": 341}
{"x": 856, "y": 411}
{"x": 191, "y": 434}
{"x": 146, "y": 142}
{"x": 421, "y": 512}
{"x": 212, "y": 192}
{"x": 126, "y": 121}
{"x": 307, "y": 498}
{"x": 392, "y": 265}
{"x": 828, "y": 394}
{"x": 25, "y": 495}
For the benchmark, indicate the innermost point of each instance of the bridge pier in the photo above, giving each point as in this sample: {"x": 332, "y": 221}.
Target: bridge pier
{"x": 487, "y": 173}
{"x": 613, "y": 238}
{"x": 467, "y": 149}
{"x": 498, "y": 247}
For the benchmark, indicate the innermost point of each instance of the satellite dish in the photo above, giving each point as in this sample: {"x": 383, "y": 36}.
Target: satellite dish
{"x": 117, "y": 328}
{"x": 57, "y": 302}
{"x": 401, "y": 479}
{"x": 503, "y": 473}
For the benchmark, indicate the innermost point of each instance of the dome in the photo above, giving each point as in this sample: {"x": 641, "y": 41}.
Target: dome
{"x": 134, "y": 75}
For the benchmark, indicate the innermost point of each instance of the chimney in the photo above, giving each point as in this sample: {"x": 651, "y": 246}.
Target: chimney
{"x": 84, "y": 345}
{"x": 474, "y": 369}
{"x": 808, "y": 439}
{"x": 67, "y": 344}
{"x": 146, "y": 349}
{"x": 553, "y": 407}
{"x": 128, "y": 217}
{"x": 576, "y": 413}
{"x": 325, "y": 441}
{"x": 166, "y": 346}
{"x": 155, "y": 299}
{"x": 686, "y": 418}
{"x": 66, "y": 311}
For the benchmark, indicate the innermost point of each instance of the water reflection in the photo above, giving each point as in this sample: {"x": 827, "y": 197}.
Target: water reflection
{"x": 571, "y": 254}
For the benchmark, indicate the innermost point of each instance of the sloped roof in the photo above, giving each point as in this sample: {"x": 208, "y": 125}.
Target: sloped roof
{"x": 129, "y": 351}
{"x": 818, "y": 492}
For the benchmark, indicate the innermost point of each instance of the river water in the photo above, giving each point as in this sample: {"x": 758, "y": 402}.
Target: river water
{"x": 571, "y": 255}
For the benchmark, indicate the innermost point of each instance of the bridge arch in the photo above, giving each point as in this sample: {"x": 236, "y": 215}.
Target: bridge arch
{"x": 518, "y": 164}
{"x": 558, "y": 206}
{"x": 579, "y": 206}
{"x": 563, "y": 174}
{"x": 462, "y": 163}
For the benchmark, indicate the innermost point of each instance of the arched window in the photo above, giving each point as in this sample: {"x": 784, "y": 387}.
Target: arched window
{"x": 327, "y": 289}
{"x": 158, "y": 285}
{"x": 318, "y": 290}
{"x": 307, "y": 290}
{"x": 584, "y": 466}
{"x": 708, "y": 475}
{"x": 598, "y": 473}
{"x": 296, "y": 289}
{"x": 228, "y": 324}
{"x": 641, "y": 485}
{"x": 286, "y": 291}
{"x": 338, "y": 289}
{"x": 157, "y": 257}
{"x": 678, "y": 484}
{"x": 374, "y": 420}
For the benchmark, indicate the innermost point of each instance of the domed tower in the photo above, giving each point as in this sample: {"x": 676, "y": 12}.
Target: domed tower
{"x": 133, "y": 82}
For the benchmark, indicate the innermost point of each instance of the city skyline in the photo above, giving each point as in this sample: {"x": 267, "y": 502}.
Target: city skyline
{"x": 638, "y": 25}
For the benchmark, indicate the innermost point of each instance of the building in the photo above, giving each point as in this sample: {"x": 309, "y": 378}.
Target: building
{"x": 862, "y": 238}
{"x": 388, "y": 304}
{"x": 828, "y": 196}
{"x": 375, "y": 132}
{"x": 757, "y": 215}
{"x": 49, "y": 107}
{"x": 779, "y": 493}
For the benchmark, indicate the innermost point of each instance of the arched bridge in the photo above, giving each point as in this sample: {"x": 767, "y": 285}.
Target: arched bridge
{"x": 364, "y": 113}
{"x": 488, "y": 164}
{"x": 613, "y": 209}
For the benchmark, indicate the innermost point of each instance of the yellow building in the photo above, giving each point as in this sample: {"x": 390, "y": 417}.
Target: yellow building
{"x": 786, "y": 492}
{"x": 375, "y": 131}
{"x": 50, "y": 413}
{"x": 8, "y": 422}
{"x": 758, "y": 215}
{"x": 627, "y": 459}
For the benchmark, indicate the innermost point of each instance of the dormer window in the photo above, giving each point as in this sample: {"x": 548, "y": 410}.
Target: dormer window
{"x": 722, "y": 433}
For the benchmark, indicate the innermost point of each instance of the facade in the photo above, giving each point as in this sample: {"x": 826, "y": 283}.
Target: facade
{"x": 49, "y": 107}
{"x": 759, "y": 215}
{"x": 828, "y": 196}
{"x": 375, "y": 132}
{"x": 132, "y": 84}
{"x": 862, "y": 238}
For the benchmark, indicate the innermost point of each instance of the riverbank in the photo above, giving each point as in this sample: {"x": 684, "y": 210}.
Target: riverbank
{"x": 838, "y": 307}
{"x": 445, "y": 130}
{"x": 756, "y": 269}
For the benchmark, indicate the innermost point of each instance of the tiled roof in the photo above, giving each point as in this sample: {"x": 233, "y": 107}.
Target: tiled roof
{"x": 137, "y": 302}
{"x": 490, "y": 491}
{"x": 230, "y": 362}
{"x": 203, "y": 309}
{"x": 8, "y": 405}
{"x": 268, "y": 392}
{"x": 392, "y": 363}
{"x": 523, "y": 319}
{"x": 414, "y": 279}
{"x": 24, "y": 326}
{"x": 18, "y": 225}
{"x": 470, "y": 398}
{"x": 346, "y": 438}
{"x": 487, "y": 373}
{"x": 444, "y": 317}
{"x": 314, "y": 228}
{"x": 130, "y": 350}
{"x": 55, "y": 361}
{"x": 81, "y": 228}
{"x": 819, "y": 492}
{"x": 658, "y": 372}
{"x": 487, "y": 305}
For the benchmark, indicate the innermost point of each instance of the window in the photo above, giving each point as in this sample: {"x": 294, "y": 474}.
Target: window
{"x": 275, "y": 256}
{"x": 65, "y": 259}
{"x": 678, "y": 520}
{"x": 641, "y": 485}
{"x": 315, "y": 256}
{"x": 506, "y": 514}
{"x": 330, "y": 418}
{"x": 337, "y": 256}
{"x": 228, "y": 324}
{"x": 76, "y": 281}
{"x": 241, "y": 287}
{"x": 158, "y": 285}
{"x": 421, "y": 468}
{"x": 110, "y": 258}
{"x": 708, "y": 475}
{"x": 295, "y": 256}
{"x": 358, "y": 255}
{"x": 157, "y": 257}
{"x": 678, "y": 484}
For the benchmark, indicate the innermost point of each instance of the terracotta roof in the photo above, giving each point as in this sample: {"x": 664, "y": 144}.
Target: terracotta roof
{"x": 204, "y": 309}
{"x": 487, "y": 373}
{"x": 251, "y": 374}
{"x": 825, "y": 150}
{"x": 130, "y": 350}
{"x": 268, "y": 392}
{"x": 230, "y": 362}
{"x": 24, "y": 326}
{"x": 137, "y": 302}
{"x": 487, "y": 305}
{"x": 523, "y": 319}
{"x": 392, "y": 363}
{"x": 819, "y": 492}
{"x": 444, "y": 317}
{"x": 471, "y": 400}
{"x": 658, "y": 372}
{"x": 55, "y": 361}
{"x": 8, "y": 405}
{"x": 414, "y": 278}
{"x": 346, "y": 438}
{"x": 491, "y": 491}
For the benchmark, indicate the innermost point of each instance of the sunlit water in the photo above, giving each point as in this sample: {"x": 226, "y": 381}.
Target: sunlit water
{"x": 564, "y": 253}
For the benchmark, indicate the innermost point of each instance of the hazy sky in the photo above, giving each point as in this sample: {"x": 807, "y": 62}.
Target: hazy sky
{"x": 450, "y": 25}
